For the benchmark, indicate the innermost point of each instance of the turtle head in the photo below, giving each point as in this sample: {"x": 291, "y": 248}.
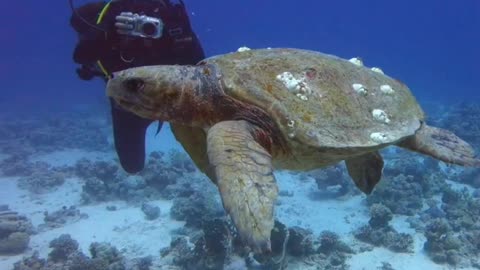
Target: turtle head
{"x": 180, "y": 94}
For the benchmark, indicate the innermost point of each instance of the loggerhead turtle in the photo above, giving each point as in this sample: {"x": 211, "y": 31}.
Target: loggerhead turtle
{"x": 240, "y": 115}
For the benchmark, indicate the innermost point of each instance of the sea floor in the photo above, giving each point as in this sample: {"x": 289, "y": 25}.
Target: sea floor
{"x": 128, "y": 230}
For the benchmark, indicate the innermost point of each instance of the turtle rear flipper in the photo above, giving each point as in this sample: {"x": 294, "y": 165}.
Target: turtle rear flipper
{"x": 441, "y": 144}
{"x": 242, "y": 170}
{"x": 365, "y": 170}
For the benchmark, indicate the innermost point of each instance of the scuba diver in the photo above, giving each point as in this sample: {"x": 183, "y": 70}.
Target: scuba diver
{"x": 121, "y": 34}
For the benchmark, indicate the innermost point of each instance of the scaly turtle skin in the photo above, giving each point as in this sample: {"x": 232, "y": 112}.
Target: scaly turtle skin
{"x": 241, "y": 115}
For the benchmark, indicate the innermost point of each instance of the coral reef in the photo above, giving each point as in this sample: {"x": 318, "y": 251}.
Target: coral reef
{"x": 51, "y": 132}
{"x": 65, "y": 255}
{"x": 62, "y": 248}
{"x": 196, "y": 208}
{"x": 105, "y": 181}
{"x": 442, "y": 246}
{"x": 61, "y": 217}
{"x": 42, "y": 178}
{"x": 401, "y": 194}
{"x": 379, "y": 233}
{"x": 15, "y": 231}
{"x": 333, "y": 182}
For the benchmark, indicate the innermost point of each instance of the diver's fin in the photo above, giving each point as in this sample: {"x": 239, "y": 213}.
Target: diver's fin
{"x": 365, "y": 170}
{"x": 129, "y": 137}
{"x": 242, "y": 170}
{"x": 441, "y": 144}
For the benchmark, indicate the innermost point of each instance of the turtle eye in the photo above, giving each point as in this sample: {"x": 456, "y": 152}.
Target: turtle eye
{"x": 134, "y": 85}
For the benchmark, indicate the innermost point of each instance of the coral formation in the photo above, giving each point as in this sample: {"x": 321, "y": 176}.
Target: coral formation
{"x": 401, "y": 194}
{"x": 63, "y": 216}
{"x": 43, "y": 178}
{"x": 379, "y": 233}
{"x": 196, "y": 208}
{"x": 333, "y": 182}
{"x": 65, "y": 255}
{"x": 151, "y": 212}
{"x": 15, "y": 231}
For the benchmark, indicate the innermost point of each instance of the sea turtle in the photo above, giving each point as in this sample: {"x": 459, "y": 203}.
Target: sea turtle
{"x": 243, "y": 114}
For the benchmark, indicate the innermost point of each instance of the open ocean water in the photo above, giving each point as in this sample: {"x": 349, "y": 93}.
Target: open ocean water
{"x": 66, "y": 203}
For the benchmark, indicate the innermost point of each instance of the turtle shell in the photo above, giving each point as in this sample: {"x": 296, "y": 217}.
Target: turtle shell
{"x": 321, "y": 100}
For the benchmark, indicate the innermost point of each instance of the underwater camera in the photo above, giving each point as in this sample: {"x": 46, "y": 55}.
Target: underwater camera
{"x": 144, "y": 26}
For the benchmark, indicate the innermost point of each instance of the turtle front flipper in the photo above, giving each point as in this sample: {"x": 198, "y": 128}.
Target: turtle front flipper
{"x": 242, "y": 170}
{"x": 441, "y": 144}
{"x": 365, "y": 170}
{"x": 194, "y": 142}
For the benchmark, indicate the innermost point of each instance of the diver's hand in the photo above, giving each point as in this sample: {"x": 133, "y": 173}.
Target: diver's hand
{"x": 125, "y": 22}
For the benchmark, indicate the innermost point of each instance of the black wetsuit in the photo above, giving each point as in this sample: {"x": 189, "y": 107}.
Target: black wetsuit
{"x": 178, "y": 45}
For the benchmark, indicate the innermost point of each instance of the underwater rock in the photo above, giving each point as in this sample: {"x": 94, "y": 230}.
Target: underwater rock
{"x": 300, "y": 242}
{"x": 15, "y": 231}
{"x": 62, "y": 248}
{"x": 401, "y": 194}
{"x": 386, "y": 266}
{"x": 111, "y": 208}
{"x": 333, "y": 182}
{"x": 61, "y": 217}
{"x": 151, "y": 212}
{"x": 380, "y": 216}
{"x": 109, "y": 254}
{"x": 330, "y": 243}
{"x": 43, "y": 179}
{"x": 180, "y": 252}
{"x": 379, "y": 233}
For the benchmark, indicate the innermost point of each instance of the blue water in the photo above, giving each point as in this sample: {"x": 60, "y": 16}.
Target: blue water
{"x": 432, "y": 45}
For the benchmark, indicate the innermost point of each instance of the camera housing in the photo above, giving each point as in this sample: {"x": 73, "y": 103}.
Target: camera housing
{"x": 148, "y": 27}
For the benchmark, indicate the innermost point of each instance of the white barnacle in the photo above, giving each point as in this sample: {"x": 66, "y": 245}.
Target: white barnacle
{"x": 387, "y": 89}
{"x": 302, "y": 97}
{"x": 291, "y": 124}
{"x": 378, "y": 70}
{"x": 291, "y": 135}
{"x": 243, "y": 49}
{"x": 356, "y": 61}
{"x": 359, "y": 88}
{"x": 380, "y": 116}
{"x": 379, "y": 137}
{"x": 294, "y": 85}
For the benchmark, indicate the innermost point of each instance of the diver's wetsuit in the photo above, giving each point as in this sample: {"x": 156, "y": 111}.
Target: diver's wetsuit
{"x": 177, "y": 45}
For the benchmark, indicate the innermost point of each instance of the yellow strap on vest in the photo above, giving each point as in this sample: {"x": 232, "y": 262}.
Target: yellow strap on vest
{"x": 104, "y": 70}
{"x": 99, "y": 21}
{"x": 103, "y": 12}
